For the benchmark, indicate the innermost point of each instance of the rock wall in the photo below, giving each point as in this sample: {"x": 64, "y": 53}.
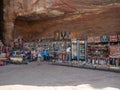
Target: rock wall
{"x": 1, "y": 20}
{"x": 36, "y": 18}
{"x": 105, "y": 23}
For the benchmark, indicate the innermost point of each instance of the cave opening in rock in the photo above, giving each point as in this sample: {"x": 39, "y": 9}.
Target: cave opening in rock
{"x": 32, "y": 29}
{"x": 102, "y": 18}
{"x": 1, "y": 19}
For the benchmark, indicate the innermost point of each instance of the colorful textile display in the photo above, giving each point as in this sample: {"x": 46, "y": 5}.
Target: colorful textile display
{"x": 67, "y": 35}
{"x": 118, "y": 37}
{"x": 113, "y": 38}
{"x": 74, "y": 34}
{"x": 104, "y": 38}
{"x": 97, "y": 39}
{"x": 115, "y": 51}
{"x": 57, "y": 35}
{"x": 61, "y": 35}
{"x": 12, "y": 43}
{"x": 90, "y": 40}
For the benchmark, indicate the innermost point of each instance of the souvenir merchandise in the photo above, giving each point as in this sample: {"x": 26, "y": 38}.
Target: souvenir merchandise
{"x": 74, "y": 49}
{"x": 97, "y": 39}
{"x": 104, "y": 39}
{"x": 90, "y": 40}
{"x": 81, "y": 51}
{"x": 119, "y": 37}
{"x": 113, "y": 38}
{"x": 57, "y": 35}
{"x": 74, "y": 35}
{"x": 114, "y": 51}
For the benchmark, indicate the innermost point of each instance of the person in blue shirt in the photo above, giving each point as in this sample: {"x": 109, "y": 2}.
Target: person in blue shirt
{"x": 46, "y": 55}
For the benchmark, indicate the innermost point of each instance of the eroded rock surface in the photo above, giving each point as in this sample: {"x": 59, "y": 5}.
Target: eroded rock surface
{"x": 39, "y": 18}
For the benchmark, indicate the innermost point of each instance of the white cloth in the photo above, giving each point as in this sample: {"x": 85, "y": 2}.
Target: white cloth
{"x": 68, "y": 49}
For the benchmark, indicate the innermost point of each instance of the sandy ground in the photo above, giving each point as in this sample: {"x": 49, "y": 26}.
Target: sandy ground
{"x": 51, "y": 77}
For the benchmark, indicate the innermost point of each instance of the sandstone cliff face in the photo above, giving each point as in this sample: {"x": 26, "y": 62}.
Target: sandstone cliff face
{"x": 38, "y": 18}
{"x": 1, "y": 20}
{"x": 104, "y": 23}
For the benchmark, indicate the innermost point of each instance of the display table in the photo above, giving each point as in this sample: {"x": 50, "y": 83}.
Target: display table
{"x": 16, "y": 59}
{"x": 117, "y": 57}
{"x": 3, "y": 59}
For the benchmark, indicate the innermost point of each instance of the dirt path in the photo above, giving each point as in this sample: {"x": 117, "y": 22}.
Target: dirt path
{"x": 50, "y": 77}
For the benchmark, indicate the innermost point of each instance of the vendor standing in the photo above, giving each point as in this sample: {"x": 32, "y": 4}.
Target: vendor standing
{"x": 68, "y": 53}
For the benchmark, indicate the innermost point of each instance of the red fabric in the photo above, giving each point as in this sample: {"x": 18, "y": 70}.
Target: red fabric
{"x": 113, "y": 38}
{"x": 7, "y": 56}
{"x": 1, "y": 63}
{"x": 114, "y": 50}
{"x": 4, "y": 49}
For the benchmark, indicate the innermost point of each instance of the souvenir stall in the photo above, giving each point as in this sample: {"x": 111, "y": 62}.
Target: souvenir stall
{"x": 16, "y": 57}
{"x": 40, "y": 45}
{"x": 104, "y": 50}
{"x": 16, "y": 48}
{"x": 90, "y": 42}
{"x": 81, "y": 50}
{"x": 114, "y": 51}
{"x": 114, "y": 55}
{"x": 97, "y": 50}
{"x": 74, "y": 45}
{"x": 46, "y": 44}
{"x": 56, "y": 46}
{"x": 74, "y": 49}
{"x": 60, "y": 50}
{"x": 61, "y": 42}
{"x": 4, "y": 55}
